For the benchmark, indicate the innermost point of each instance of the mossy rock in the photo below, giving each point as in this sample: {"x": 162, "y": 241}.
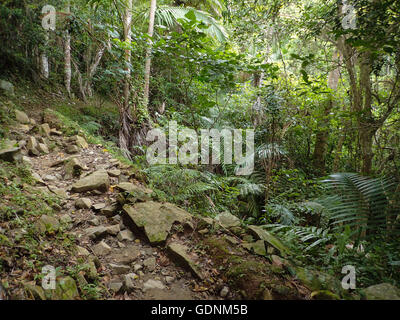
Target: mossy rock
{"x": 324, "y": 295}
{"x": 34, "y": 292}
{"x": 66, "y": 289}
{"x": 317, "y": 281}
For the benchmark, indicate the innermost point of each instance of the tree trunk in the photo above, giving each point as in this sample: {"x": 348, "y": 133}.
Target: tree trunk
{"x": 125, "y": 112}
{"x": 323, "y": 125}
{"x": 44, "y": 60}
{"x": 147, "y": 71}
{"x": 67, "y": 56}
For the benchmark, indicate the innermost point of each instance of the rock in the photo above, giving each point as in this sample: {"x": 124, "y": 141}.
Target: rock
{"x": 32, "y": 145}
{"x": 119, "y": 268}
{"x": 73, "y": 168}
{"x": 81, "y": 251}
{"x": 37, "y": 178}
{"x": 9, "y": 151}
{"x": 125, "y": 256}
{"x": 179, "y": 253}
{"x": 114, "y": 173}
{"x": 46, "y": 223}
{"x": 101, "y": 249}
{"x": 224, "y": 292}
{"x": 129, "y": 280}
{"x": 259, "y": 248}
{"x": 137, "y": 267}
{"x": 316, "y": 280}
{"x": 66, "y": 289}
{"x": 248, "y": 238}
{"x": 65, "y": 218}
{"x": 34, "y": 292}
{"x": 169, "y": 279}
{"x": 54, "y": 132}
{"x": 80, "y": 142}
{"x": 49, "y": 177}
{"x": 113, "y": 230}
{"x": 277, "y": 261}
{"x": 44, "y": 130}
{"x": 156, "y": 218}
{"x": 125, "y": 235}
{"x": 262, "y": 234}
{"x": 59, "y": 191}
{"x": 96, "y": 181}
{"x": 72, "y": 149}
{"x": 21, "y": 128}
{"x": 21, "y": 117}
{"x": 231, "y": 240}
{"x": 7, "y": 87}
{"x": 83, "y": 203}
{"x": 41, "y": 147}
{"x": 96, "y": 232}
{"x": 99, "y": 206}
{"x": 26, "y": 160}
{"x": 133, "y": 193}
{"x": 204, "y": 222}
{"x": 115, "y": 286}
{"x": 153, "y": 284}
{"x": 324, "y": 295}
{"x": 110, "y": 210}
{"x": 228, "y": 220}
{"x": 94, "y": 222}
{"x": 150, "y": 263}
{"x": 383, "y": 291}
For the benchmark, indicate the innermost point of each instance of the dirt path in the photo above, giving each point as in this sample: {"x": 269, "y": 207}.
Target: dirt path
{"x": 148, "y": 270}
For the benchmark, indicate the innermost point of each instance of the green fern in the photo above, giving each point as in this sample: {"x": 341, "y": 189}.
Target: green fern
{"x": 360, "y": 202}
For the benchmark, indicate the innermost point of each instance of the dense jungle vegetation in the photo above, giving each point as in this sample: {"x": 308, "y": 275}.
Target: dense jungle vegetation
{"x": 323, "y": 99}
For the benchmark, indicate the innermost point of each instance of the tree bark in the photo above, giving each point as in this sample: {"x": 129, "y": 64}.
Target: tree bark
{"x": 124, "y": 107}
{"x": 67, "y": 56}
{"x": 319, "y": 156}
{"x": 147, "y": 71}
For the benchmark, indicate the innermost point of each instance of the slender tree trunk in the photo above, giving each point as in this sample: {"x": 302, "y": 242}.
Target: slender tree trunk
{"x": 44, "y": 60}
{"x": 67, "y": 56}
{"x": 147, "y": 71}
{"x": 125, "y": 111}
{"x": 323, "y": 125}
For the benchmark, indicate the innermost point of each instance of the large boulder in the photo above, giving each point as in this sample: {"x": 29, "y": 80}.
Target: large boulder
{"x": 383, "y": 291}
{"x": 156, "y": 218}
{"x": 98, "y": 180}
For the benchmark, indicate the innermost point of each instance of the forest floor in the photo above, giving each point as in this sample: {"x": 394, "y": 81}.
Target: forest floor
{"x": 94, "y": 237}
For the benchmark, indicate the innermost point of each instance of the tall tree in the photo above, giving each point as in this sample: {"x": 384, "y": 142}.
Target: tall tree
{"x": 147, "y": 71}
{"x": 67, "y": 53}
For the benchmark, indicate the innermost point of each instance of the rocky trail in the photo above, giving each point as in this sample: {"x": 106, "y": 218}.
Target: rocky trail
{"x": 125, "y": 241}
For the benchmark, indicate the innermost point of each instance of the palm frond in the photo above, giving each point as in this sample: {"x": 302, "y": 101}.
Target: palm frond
{"x": 169, "y": 16}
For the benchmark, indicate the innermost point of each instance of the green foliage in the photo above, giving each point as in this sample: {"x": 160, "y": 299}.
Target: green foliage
{"x": 361, "y": 203}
